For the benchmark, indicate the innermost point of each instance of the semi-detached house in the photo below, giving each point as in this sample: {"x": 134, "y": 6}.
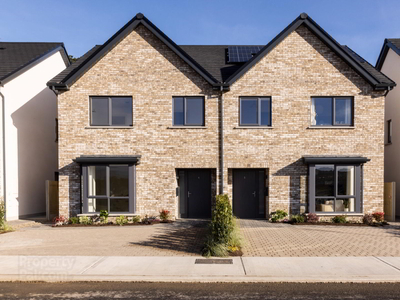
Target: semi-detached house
{"x": 145, "y": 125}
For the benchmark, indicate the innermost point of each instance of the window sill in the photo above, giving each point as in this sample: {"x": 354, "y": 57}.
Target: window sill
{"x": 187, "y": 127}
{"x": 109, "y": 127}
{"x": 388, "y": 144}
{"x": 330, "y": 127}
{"x": 109, "y": 215}
{"x": 253, "y": 127}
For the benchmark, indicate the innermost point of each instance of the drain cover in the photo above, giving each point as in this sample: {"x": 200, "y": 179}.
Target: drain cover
{"x": 212, "y": 261}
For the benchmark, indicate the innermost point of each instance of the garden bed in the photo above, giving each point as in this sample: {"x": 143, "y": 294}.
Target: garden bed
{"x": 339, "y": 224}
{"x": 113, "y": 224}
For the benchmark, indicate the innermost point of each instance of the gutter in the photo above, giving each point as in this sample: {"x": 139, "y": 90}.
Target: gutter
{"x": 3, "y": 147}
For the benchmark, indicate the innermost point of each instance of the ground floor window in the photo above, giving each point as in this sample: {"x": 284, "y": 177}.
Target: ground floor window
{"x": 335, "y": 186}
{"x": 108, "y": 186}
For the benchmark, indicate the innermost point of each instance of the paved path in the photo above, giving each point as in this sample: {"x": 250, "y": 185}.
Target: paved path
{"x": 284, "y": 240}
{"x": 185, "y": 269}
{"x": 182, "y": 238}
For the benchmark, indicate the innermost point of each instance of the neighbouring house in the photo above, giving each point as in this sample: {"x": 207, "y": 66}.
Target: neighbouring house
{"x": 28, "y": 112}
{"x": 389, "y": 63}
{"x": 145, "y": 125}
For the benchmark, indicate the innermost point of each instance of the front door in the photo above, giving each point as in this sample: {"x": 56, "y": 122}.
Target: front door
{"x": 195, "y": 193}
{"x": 248, "y": 193}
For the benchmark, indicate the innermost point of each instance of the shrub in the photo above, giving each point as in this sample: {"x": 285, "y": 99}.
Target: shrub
{"x": 165, "y": 215}
{"x": 150, "y": 220}
{"x": 85, "y": 220}
{"x": 2, "y": 214}
{"x": 222, "y": 220}
{"x": 297, "y": 219}
{"x": 224, "y": 235}
{"x": 379, "y": 216}
{"x": 74, "y": 220}
{"x": 339, "y": 219}
{"x": 368, "y": 219}
{"x": 135, "y": 219}
{"x": 103, "y": 216}
{"x": 121, "y": 220}
{"x": 278, "y": 215}
{"x": 312, "y": 218}
{"x": 60, "y": 220}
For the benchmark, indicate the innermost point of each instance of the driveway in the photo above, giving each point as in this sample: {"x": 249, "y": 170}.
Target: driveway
{"x": 285, "y": 240}
{"x": 181, "y": 238}
{"x": 186, "y": 237}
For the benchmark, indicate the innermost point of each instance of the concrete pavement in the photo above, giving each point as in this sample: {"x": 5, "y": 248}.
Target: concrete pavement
{"x": 185, "y": 269}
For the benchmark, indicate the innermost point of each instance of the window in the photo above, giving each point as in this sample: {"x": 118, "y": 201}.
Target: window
{"x": 255, "y": 111}
{"x": 108, "y": 187}
{"x": 389, "y": 131}
{"x": 335, "y": 188}
{"x": 111, "y": 111}
{"x": 337, "y": 111}
{"x": 188, "y": 111}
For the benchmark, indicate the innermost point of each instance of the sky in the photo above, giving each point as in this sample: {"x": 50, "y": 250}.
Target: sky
{"x": 80, "y": 24}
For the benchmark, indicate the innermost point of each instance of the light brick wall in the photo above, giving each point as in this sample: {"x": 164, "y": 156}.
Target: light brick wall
{"x": 144, "y": 68}
{"x": 298, "y": 68}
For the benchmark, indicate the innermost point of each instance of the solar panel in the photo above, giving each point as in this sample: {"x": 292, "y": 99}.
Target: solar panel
{"x": 239, "y": 54}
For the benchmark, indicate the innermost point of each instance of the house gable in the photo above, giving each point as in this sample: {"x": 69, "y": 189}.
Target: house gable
{"x": 369, "y": 74}
{"x": 100, "y": 52}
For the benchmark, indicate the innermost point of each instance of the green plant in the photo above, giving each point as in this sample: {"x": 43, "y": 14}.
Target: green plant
{"x": 74, "y": 220}
{"x": 297, "y": 219}
{"x": 222, "y": 220}
{"x": 85, "y": 220}
{"x": 104, "y": 216}
{"x": 339, "y": 219}
{"x": 135, "y": 219}
{"x": 2, "y": 214}
{"x": 346, "y": 203}
{"x": 278, "y": 215}
{"x": 121, "y": 220}
{"x": 224, "y": 235}
{"x": 165, "y": 215}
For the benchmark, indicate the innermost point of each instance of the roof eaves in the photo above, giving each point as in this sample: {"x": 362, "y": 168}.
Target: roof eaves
{"x": 121, "y": 34}
{"x": 384, "y": 51}
{"x": 10, "y": 76}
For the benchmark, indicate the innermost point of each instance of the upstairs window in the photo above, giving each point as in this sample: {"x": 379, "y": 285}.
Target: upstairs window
{"x": 328, "y": 111}
{"x": 111, "y": 111}
{"x": 255, "y": 111}
{"x": 188, "y": 111}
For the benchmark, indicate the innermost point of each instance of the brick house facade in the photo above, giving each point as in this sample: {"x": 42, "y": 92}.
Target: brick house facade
{"x": 140, "y": 63}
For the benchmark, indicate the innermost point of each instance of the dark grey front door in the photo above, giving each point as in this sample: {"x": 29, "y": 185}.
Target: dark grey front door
{"x": 248, "y": 193}
{"x": 195, "y": 193}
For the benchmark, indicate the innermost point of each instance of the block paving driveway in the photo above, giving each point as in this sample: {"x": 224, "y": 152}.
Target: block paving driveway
{"x": 185, "y": 238}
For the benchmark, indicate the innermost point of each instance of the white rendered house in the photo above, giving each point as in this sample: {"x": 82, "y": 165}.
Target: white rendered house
{"x": 28, "y": 112}
{"x": 389, "y": 64}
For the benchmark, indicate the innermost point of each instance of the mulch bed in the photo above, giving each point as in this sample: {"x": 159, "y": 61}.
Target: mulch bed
{"x": 112, "y": 224}
{"x": 236, "y": 253}
{"x": 339, "y": 224}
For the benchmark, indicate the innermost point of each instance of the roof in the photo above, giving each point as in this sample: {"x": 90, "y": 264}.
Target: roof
{"x": 213, "y": 58}
{"x": 210, "y": 61}
{"x": 15, "y": 57}
{"x": 393, "y": 44}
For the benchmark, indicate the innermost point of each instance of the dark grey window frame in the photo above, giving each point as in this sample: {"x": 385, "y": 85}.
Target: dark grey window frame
{"x": 259, "y": 99}
{"x": 333, "y": 105}
{"x": 389, "y": 131}
{"x": 358, "y": 185}
{"x": 132, "y": 188}
{"x": 184, "y": 111}
{"x": 109, "y": 111}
